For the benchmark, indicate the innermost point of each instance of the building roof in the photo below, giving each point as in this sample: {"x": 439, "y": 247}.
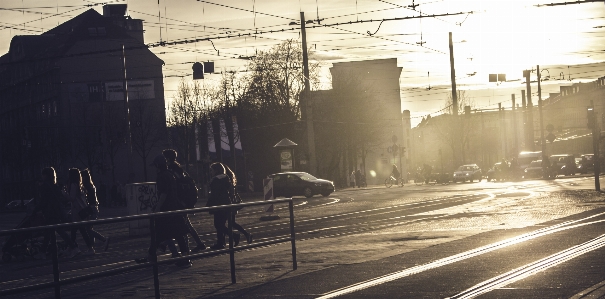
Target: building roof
{"x": 57, "y": 41}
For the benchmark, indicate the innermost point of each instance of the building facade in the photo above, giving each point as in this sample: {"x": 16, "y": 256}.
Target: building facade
{"x": 63, "y": 102}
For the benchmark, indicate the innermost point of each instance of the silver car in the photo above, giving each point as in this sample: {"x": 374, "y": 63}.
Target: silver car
{"x": 468, "y": 172}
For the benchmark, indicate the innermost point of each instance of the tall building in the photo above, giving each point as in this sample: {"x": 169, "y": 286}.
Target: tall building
{"x": 364, "y": 104}
{"x": 63, "y": 102}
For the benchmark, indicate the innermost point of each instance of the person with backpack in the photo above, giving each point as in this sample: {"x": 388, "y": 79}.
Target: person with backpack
{"x": 49, "y": 204}
{"x": 221, "y": 188}
{"x": 168, "y": 228}
{"x": 187, "y": 193}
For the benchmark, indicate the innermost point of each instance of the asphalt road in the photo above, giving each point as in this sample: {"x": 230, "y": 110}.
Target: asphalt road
{"x": 530, "y": 239}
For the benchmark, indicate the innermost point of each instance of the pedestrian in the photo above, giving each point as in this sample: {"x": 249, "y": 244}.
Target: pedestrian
{"x": 220, "y": 187}
{"x": 49, "y": 204}
{"x": 358, "y": 178}
{"x": 76, "y": 194}
{"x": 93, "y": 203}
{"x": 352, "y": 179}
{"x": 168, "y": 227}
{"x": 233, "y": 196}
{"x": 179, "y": 172}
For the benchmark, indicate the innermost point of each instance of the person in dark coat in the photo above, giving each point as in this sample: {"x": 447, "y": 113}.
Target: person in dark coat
{"x": 220, "y": 187}
{"x": 178, "y": 171}
{"x": 233, "y": 180}
{"x": 49, "y": 204}
{"x": 93, "y": 203}
{"x": 170, "y": 227}
{"x": 77, "y": 197}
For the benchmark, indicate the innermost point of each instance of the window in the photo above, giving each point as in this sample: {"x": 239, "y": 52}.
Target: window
{"x": 92, "y": 31}
{"x": 101, "y": 31}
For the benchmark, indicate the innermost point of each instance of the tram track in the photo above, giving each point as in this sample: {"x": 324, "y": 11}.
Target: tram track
{"x": 503, "y": 279}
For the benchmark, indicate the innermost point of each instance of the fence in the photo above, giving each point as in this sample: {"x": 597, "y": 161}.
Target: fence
{"x": 153, "y": 263}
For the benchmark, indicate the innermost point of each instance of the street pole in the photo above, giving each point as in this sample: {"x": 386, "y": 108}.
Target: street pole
{"x": 515, "y": 143}
{"x": 454, "y": 98}
{"x": 307, "y": 99}
{"x": 127, "y": 111}
{"x": 530, "y": 114}
{"x": 544, "y": 156}
{"x": 595, "y": 146}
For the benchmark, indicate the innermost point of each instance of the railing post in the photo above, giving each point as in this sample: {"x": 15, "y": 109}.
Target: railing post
{"x": 55, "y": 256}
{"x": 154, "y": 257}
{"x": 231, "y": 251}
{"x": 292, "y": 234}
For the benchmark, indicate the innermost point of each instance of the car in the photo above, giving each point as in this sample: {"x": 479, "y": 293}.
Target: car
{"x": 586, "y": 164}
{"x": 498, "y": 172}
{"x": 564, "y": 164}
{"x": 468, "y": 172}
{"x": 535, "y": 170}
{"x": 288, "y": 184}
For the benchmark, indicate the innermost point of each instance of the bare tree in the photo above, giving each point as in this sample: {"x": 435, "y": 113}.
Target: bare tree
{"x": 147, "y": 132}
{"x": 184, "y": 111}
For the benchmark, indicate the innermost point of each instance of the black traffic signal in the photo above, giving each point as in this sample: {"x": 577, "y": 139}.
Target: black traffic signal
{"x": 198, "y": 71}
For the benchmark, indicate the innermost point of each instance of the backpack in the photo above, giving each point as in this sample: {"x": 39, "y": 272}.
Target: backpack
{"x": 186, "y": 190}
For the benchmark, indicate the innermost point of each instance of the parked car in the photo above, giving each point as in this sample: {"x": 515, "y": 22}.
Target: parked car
{"x": 468, "y": 172}
{"x": 499, "y": 172}
{"x": 289, "y": 184}
{"x": 535, "y": 170}
{"x": 563, "y": 164}
{"x": 586, "y": 164}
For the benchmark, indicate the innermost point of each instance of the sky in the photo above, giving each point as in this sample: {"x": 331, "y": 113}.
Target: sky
{"x": 489, "y": 37}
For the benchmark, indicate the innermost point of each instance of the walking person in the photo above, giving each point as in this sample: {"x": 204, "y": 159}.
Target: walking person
{"x": 93, "y": 203}
{"x": 180, "y": 173}
{"x": 221, "y": 185}
{"x": 358, "y": 178}
{"x": 233, "y": 196}
{"x": 77, "y": 197}
{"x": 49, "y": 204}
{"x": 352, "y": 179}
{"x": 169, "y": 227}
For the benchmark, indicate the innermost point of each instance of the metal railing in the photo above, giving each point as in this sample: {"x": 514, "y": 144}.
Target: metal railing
{"x": 154, "y": 263}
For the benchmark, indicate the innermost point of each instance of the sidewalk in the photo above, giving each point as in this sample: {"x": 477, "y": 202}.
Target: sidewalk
{"x": 326, "y": 264}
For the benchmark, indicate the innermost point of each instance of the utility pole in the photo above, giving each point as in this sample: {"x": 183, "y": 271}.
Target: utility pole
{"x": 453, "y": 77}
{"x": 307, "y": 99}
{"x": 127, "y": 117}
{"x": 592, "y": 123}
{"x": 524, "y": 107}
{"x": 529, "y": 142}
{"x": 456, "y": 127}
{"x": 515, "y": 143}
{"x": 544, "y": 156}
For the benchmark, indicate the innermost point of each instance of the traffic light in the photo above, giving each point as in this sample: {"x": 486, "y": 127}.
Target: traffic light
{"x": 590, "y": 116}
{"x": 198, "y": 71}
